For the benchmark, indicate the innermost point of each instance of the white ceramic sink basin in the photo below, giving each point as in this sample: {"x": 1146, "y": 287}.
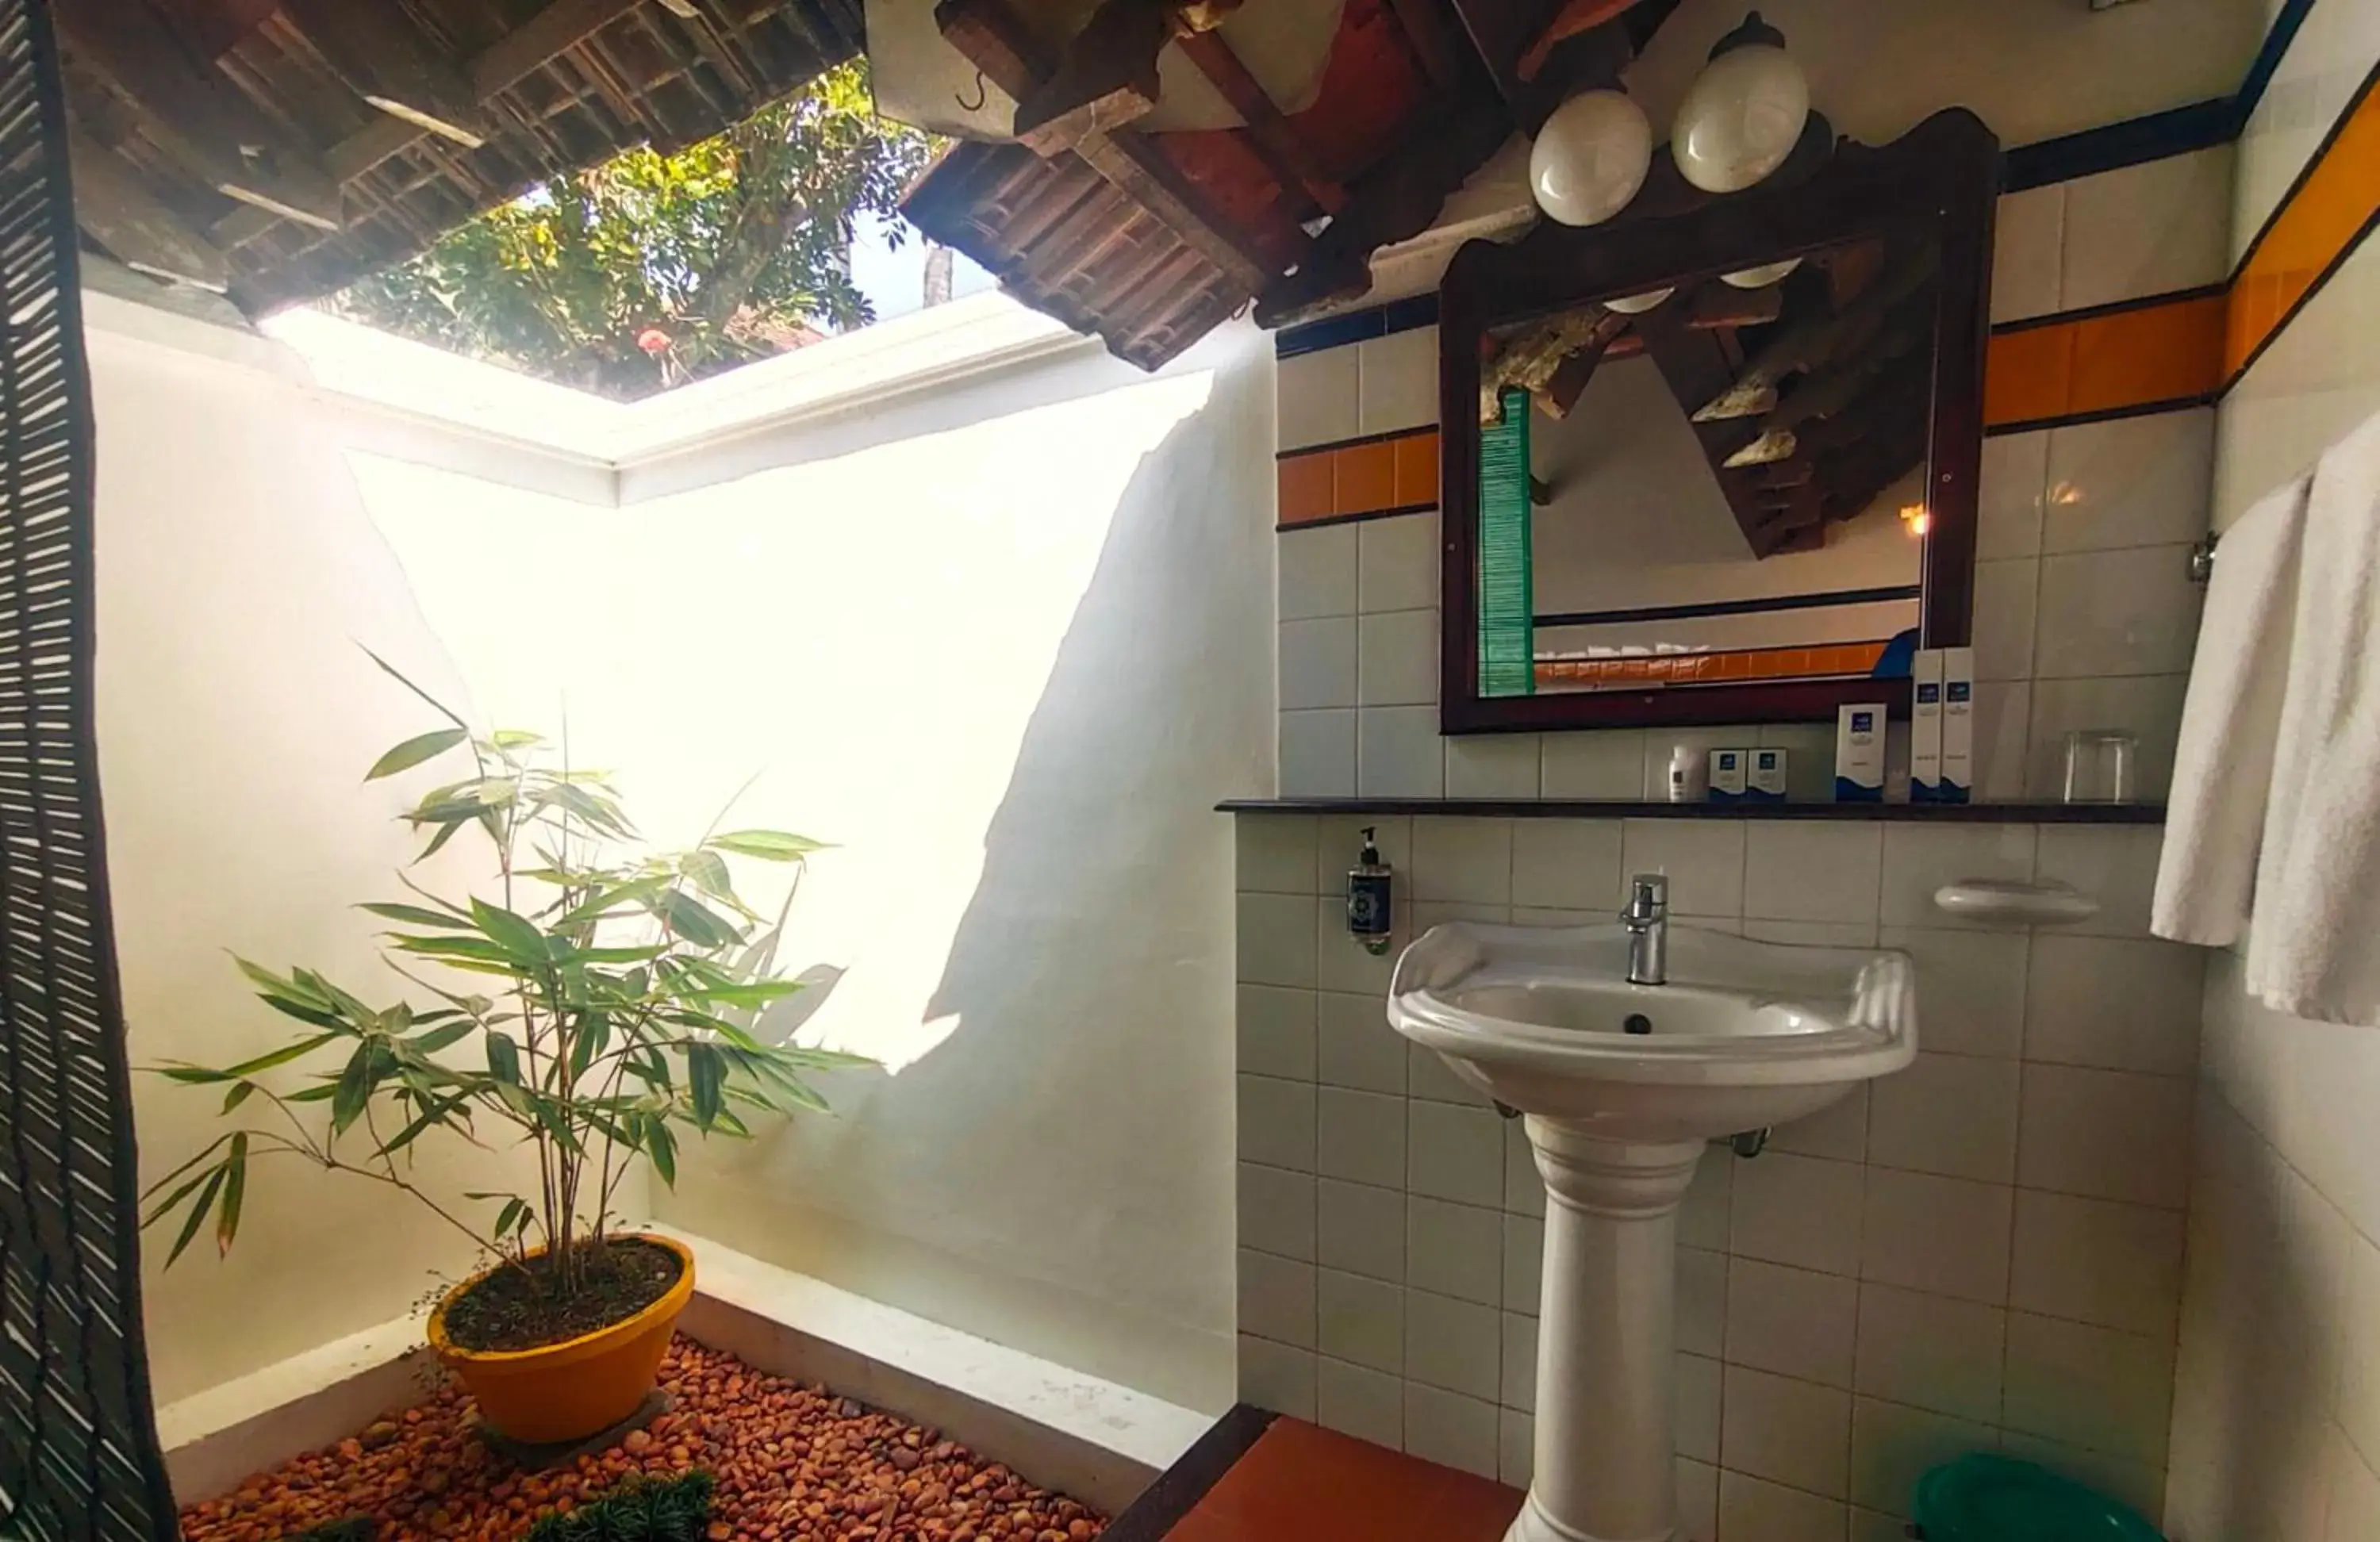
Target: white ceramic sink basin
{"x": 1744, "y": 1035}
{"x": 1623, "y": 1085}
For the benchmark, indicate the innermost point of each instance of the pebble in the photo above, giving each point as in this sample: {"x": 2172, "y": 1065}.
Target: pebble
{"x": 792, "y": 1462}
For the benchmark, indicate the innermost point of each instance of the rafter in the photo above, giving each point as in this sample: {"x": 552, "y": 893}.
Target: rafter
{"x": 1105, "y": 78}
{"x": 115, "y": 211}
{"x": 185, "y": 106}
{"x": 386, "y": 61}
{"x": 1277, "y": 144}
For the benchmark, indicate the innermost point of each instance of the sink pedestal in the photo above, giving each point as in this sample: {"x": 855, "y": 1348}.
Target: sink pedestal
{"x": 1606, "y": 1467}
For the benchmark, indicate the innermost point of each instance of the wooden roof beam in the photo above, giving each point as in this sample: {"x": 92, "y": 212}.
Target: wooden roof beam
{"x": 119, "y": 213}
{"x": 187, "y": 107}
{"x": 386, "y": 61}
{"x": 1105, "y": 79}
{"x": 995, "y": 42}
{"x": 1436, "y": 40}
{"x": 1277, "y": 144}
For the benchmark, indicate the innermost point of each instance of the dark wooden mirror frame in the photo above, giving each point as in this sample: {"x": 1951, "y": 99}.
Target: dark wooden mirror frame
{"x": 1942, "y": 176}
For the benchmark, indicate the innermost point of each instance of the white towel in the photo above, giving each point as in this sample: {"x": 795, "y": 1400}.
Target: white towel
{"x": 2313, "y": 947}
{"x": 2223, "y": 765}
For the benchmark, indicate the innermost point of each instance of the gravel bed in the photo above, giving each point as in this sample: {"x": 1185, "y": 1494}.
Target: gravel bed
{"x": 791, "y": 1461}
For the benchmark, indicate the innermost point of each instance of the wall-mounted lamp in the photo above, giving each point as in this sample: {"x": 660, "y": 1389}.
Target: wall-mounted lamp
{"x": 1916, "y": 519}
{"x": 1762, "y": 276}
{"x": 1636, "y": 305}
{"x": 1590, "y": 158}
{"x": 1744, "y": 114}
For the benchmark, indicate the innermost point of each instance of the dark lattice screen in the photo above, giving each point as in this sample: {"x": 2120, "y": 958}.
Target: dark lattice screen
{"x": 79, "y": 1455}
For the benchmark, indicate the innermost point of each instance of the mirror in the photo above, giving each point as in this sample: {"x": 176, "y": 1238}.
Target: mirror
{"x": 1718, "y": 465}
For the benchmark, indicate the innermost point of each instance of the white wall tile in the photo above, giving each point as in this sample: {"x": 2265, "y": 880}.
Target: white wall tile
{"x": 2133, "y": 481}
{"x": 1599, "y": 763}
{"x": 1697, "y": 1501}
{"x": 1277, "y": 1211}
{"x": 1357, "y": 1048}
{"x": 1700, "y": 1393}
{"x": 1464, "y": 860}
{"x": 1361, "y": 1321}
{"x": 1525, "y": 1262}
{"x": 1931, "y": 1352}
{"x": 2003, "y": 718}
{"x": 1276, "y": 940}
{"x": 1918, "y": 859}
{"x": 1524, "y": 1190}
{"x": 2114, "y": 1002}
{"x": 2096, "y": 1261}
{"x": 2114, "y": 864}
{"x": 1428, "y": 1075}
{"x": 1456, "y": 1153}
{"x": 1318, "y": 754}
{"x": 1339, "y": 840}
{"x": 2011, "y": 485}
{"x": 1354, "y": 1400}
{"x": 1971, "y": 985}
{"x": 2148, "y": 707}
{"x": 2006, "y": 607}
{"x": 1275, "y": 1032}
{"x": 1397, "y": 380}
{"x": 1750, "y": 1510}
{"x": 2028, "y": 252}
{"x": 2138, "y": 1483}
{"x": 1492, "y": 765}
{"x": 1950, "y": 1114}
{"x": 1316, "y": 395}
{"x": 1702, "y": 1299}
{"x": 2148, "y": 228}
{"x": 1360, "y": 1136}
{"x": 1397, "y": 563}
{"x": 1791, "y": 1321}
{"x": 1703, "y": 858}
{"x": 1569, "y": 863}
{"x": 1317, "y": 663}
{"x": 1455, "y": 1250}
{"x": 1451, "y": 1429}
{"x": 1518, "y": 1383}
{"x": 1796, "y": 1210}
{"x": 1275, "y": 854}
{"x": 1397, "y": 753}
{"x": 1275, "y": 1298}
{"x": 2354, "y": 1508}
{"x": 1318, "y": 572}
{"x": 1277, "y": 1377}
{"x": 1706, "y": 1216}
{"x": 1455, "y": 1345}
{"x": 1396, "y": 658}
{"x": 1949, "y": 1236}
{"x": 1892, "y": 1446}
{"x": 1360, "y": 1228}
{"x": 1839, "y": 1131}
{"x": 1516, "y": 1436}
{"x": 1811, "y": 870}
{"x": 1275, "y": 1120}
{"x": 1790, "y": 1432}
{"x": 2089, "y": 1387}
{"x": 2358, "y": 1351}
{"x": 1343, "y": 964}
{"x": 2106, "y": 1134}
{"x": 2128, "y": 611}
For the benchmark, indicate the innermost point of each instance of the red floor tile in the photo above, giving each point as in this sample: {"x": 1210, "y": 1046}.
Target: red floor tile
{"x": 1301, "y": 1484}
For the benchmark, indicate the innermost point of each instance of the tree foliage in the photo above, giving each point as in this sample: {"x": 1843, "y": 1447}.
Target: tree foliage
{"x": 651, "y": 270}
{"x": 605, "y": 997}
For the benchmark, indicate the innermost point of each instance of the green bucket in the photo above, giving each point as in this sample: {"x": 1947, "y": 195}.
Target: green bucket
{"x": 1997, "y": 1499}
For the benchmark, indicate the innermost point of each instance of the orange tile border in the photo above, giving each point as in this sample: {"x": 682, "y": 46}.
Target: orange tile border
{"x": 1352, "y": 479}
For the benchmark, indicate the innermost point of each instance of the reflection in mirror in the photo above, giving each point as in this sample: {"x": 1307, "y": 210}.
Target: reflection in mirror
{"x": 1725, "y": 487}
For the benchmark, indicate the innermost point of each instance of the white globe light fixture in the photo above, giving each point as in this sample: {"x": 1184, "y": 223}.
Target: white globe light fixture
{"x": 1636, "y": 305}
{"x": 1744, "y": 114}
{"x": 1590, "y": 157}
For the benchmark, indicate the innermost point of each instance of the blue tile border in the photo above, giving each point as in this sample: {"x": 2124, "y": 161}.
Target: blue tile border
{"x": 2177, "y": 131}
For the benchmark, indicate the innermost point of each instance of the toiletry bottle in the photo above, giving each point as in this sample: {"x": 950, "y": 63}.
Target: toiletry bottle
{"x": 1369, "y": 919}
{"x": 1688, "y": 774}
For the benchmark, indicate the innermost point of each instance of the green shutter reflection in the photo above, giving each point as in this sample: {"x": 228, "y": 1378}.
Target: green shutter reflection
{"x": 1507, "y": 661}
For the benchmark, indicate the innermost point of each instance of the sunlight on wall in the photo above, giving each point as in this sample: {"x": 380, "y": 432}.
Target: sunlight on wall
{"x": 699, "y": 641}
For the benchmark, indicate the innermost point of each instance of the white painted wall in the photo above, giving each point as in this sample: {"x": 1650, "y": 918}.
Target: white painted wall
{"x": 238, "y": 572}
{"x": 1005, "y": 643}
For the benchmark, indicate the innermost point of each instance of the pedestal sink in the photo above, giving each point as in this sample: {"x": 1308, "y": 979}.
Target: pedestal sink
{"x": 1622, "y": 1086}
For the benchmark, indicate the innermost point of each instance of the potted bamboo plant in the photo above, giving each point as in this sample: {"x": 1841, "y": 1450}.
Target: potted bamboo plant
{"x": 599, "y": 1001}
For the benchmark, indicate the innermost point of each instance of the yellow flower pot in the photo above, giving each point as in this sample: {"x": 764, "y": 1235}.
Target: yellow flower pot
{"x": 571, "y": 1389}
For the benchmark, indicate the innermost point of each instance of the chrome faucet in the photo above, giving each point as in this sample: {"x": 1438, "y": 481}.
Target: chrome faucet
{"x": 1647, "y": 920}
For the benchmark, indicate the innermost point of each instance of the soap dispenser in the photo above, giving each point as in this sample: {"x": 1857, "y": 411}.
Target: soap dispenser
{"x": 1368, "y": 915}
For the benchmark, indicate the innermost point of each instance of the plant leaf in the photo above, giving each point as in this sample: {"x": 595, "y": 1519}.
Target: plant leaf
{"x": 414, "y": 915}
{"x": 769, "y": 845}
{"x": 517, "y": 935}
{"x": 503, "y": 1058}
{"x": 352, "y": 1090}
{"x": 691, "y": 919}
{"x": 393, "y": 674}
{"x": 709, "y": 871}
{"x": 235, "y": 1189}
{"x": 706, "y": 1075}
{"x": 198, "y": 1215}
{"x": 413, "y": 751}
{"x": 661, "y": 1146}
{"x": 282, "y": 1056}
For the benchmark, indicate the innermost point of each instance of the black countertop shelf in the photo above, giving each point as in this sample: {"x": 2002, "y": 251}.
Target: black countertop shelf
{"x": 1580, "y": 808}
